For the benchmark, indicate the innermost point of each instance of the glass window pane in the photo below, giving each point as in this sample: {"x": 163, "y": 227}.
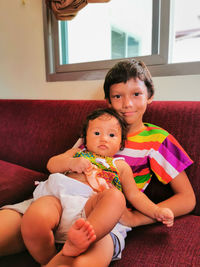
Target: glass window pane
{"x": 133, "y": 47}
{"x": 186, "y": 28}
{"x": 107, "y": 31}
{"x": 118, "y": 47}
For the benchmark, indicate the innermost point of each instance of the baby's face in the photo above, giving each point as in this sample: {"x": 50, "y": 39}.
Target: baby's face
{"x": 104, "y": 136}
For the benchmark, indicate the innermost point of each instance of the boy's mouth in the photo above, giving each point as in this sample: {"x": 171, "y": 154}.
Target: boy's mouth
{"x": 128, "y": 113}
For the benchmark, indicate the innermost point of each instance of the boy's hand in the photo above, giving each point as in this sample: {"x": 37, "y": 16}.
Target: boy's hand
{"x": 80, "y": 165}
{"x": 165, "y": 215}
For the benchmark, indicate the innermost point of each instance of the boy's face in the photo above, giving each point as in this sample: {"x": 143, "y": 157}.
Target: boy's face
{"x": 130, "y": 100}
{"x": 104, "y": 135}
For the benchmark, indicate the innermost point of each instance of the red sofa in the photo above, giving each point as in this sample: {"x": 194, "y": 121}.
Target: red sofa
{"x": 31, "y": 131}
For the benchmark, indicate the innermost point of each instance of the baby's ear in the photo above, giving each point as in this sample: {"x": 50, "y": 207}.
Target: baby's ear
{"x": 121, "y": 147}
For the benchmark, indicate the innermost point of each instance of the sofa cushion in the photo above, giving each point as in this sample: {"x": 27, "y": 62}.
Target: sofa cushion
{"x": 159, "y": 246}
{"x": 181, "y": 119}
{"x": 16, "y": 182}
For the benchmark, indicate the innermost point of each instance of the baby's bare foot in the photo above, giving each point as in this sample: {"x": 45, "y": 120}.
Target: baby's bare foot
{"x": 79, "y": 237}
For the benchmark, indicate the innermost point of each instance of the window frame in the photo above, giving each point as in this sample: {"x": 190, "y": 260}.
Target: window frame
{"x": 157, "y": 62}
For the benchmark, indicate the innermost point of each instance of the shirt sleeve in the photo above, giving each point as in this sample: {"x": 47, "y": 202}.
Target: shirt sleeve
{"x": 79, "y": 143}
{"x": 169, "y": 160}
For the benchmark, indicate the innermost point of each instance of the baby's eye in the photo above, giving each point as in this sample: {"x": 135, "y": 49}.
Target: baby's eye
{"x": 112, "y": 135}
{"x": 136, "y": 94}
{"x": 97, "y": 133}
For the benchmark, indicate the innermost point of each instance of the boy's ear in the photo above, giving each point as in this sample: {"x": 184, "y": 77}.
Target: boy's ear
{"x": 108, "y": 103}
{"x": 150, "y": 100}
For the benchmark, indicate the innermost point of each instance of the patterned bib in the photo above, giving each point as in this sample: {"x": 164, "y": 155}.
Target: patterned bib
{"x": 108, "y": 171}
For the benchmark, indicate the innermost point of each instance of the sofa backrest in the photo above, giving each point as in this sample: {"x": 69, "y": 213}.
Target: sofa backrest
{"x": 182, "y": 120}
{"x": 32, "y": 131}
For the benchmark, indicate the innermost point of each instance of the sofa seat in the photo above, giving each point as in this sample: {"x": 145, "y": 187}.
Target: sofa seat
{"x": 32, "y": 131}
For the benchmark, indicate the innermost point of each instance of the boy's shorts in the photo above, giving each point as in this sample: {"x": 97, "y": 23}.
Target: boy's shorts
{"x": 71, "y": 191}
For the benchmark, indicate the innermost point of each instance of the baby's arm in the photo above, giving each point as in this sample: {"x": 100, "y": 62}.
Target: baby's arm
{"x": 65, "y": 162}
{"x": 182, "y": 202}
{"x": 139, "y": 200}
{"x": 165, "y": 215}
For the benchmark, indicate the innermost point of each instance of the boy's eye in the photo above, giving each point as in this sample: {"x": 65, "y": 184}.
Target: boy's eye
{"x": 116, "y": 96}
{"x": 112, "y": 135}
{"x": 97, "y": 133}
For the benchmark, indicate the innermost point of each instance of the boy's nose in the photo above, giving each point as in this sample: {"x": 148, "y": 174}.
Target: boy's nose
{"x": 127, "y": 102}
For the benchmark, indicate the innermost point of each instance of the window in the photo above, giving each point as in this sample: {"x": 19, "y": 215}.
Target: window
{"x": 186, "y": 31}
{"x": 123, "y": 45}
{"x": 155, "y": 31}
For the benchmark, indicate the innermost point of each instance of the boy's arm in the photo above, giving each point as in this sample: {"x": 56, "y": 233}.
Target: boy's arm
{"x": 138, "y": 199}
{"x": 65, "y": 162}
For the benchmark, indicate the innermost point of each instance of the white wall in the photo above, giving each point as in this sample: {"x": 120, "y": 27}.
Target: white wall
{"x": 22, "y": 65}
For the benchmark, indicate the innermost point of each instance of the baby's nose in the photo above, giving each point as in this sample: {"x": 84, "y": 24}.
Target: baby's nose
{"x": 104, "y": 137}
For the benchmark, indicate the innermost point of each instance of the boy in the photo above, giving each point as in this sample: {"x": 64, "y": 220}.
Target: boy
{"x": 129, "y": 89}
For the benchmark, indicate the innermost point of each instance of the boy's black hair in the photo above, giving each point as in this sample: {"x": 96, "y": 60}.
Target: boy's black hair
{"x": 100, "y": 112}
{"x": 124, "y": 71}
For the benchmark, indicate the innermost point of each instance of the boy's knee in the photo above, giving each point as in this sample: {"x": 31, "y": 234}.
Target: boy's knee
{"x": 41, "y": 218}
{"x": 39, "y": 215}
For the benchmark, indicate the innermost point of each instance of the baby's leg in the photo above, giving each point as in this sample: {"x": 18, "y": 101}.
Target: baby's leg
{"x": 103, "y": 211}
{"x": 79, "y": 237}
{"x": 38, "y": 224}
{"x": 10, "y": 232}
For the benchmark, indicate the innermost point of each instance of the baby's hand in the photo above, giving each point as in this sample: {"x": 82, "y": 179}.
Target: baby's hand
{"x": 98, "y": 184}
{"x": 91, "y": 170}
{"x": 80, "y": 165}
{"x": 165, "y": 215}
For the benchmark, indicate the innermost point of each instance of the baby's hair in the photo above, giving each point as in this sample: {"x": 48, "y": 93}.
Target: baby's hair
{"x": 124, "y": 71}
{"x": 100, "y": 112}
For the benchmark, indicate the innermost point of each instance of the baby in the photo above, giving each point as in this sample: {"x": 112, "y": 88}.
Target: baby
{"x": 85, "y": 201}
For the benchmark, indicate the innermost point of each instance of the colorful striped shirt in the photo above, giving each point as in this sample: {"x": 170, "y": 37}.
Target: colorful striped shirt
{"x": 154, "y": 150}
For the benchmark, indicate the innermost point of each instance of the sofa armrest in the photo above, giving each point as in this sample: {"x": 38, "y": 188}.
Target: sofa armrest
{"x": 17, "y": 182}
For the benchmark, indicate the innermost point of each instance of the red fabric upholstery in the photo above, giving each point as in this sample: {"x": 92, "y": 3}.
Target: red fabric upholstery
{"x": 32, "y": 131}
{"x": 182, "y": 120}
{"x": 155, "y": 245}
{"x": 16, "y": 182}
